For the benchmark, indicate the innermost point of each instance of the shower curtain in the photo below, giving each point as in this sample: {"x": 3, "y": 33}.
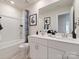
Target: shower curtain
{"x": 26, "y": 25}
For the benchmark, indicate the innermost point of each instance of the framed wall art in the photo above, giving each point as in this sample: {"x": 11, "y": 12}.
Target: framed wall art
{"x": 33, "y": 20}
{"x": 47, "y": 20}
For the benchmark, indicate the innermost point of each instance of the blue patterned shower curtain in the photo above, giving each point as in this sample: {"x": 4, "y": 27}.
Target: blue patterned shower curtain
{"x": 26, "y": 25}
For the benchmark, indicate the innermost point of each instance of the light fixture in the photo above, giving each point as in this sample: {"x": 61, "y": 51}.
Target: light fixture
{"x": 12, "y": 2}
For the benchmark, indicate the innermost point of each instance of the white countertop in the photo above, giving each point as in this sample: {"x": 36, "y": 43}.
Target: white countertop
{"x": 66, "y": 40}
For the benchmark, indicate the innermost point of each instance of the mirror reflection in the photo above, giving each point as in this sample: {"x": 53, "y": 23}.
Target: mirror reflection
{"x": 64, "y": 23}
{"x": 61, "y": 16}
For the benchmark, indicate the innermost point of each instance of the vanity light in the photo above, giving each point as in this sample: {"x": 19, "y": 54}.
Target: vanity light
{"x": 12, "y": 2}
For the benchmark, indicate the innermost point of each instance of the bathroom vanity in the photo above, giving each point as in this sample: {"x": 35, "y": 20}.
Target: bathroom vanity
{"x": 63, "y": 16}
{"x": 43, "y": 47}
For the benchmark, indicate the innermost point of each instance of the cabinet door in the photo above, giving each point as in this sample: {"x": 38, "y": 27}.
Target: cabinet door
{"x": 33, "y": 52}
{"x": 73, "y": 57}
{"x": 55, "y": 54}
{"x": 38, "y": 51}
{"x": 43, "y": 52}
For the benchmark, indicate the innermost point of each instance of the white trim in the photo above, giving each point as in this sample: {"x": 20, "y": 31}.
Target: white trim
{"x": 9, "y": 17}
{"x": 10, "y": 44}
{"x": 65, "y": 12}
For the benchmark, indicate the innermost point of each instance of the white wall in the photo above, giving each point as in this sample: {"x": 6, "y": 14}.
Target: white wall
{"x": 10, "y": 34}
{"x": 35, "y": 9}
{"x": 10, "y": 22}
{"x": 76, "y": 5}
{"x": 8, "y": 10}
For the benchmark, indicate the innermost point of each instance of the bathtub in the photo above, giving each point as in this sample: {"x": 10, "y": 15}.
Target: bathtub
{"x": 13, "y": 50}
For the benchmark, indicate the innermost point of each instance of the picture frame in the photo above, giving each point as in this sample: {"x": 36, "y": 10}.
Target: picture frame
{"x": 33, "y": 20}
{"x": 47, "y": 20}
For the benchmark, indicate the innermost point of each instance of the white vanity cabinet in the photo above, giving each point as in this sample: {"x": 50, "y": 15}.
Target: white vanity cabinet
{"x": 52, "y": 48}
{"x": 73, "y": 57}
{"x": 38, "y": 49}
{"x": 55, "y": 54}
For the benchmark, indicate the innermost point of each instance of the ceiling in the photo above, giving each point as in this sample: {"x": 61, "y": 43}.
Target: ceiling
{"x": 20, "y": 3}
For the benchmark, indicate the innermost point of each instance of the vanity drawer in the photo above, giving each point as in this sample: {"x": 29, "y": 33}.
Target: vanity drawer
{"x": 38, "y": 40}
{"x": 63, "y": 46}
{"x": 73, "y": 57}
{"x": 42, "y": 41}
{"x": 32, "y": 40}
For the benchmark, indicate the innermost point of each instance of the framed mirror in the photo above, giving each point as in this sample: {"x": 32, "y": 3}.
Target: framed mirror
{"x": 62, "y": 16}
